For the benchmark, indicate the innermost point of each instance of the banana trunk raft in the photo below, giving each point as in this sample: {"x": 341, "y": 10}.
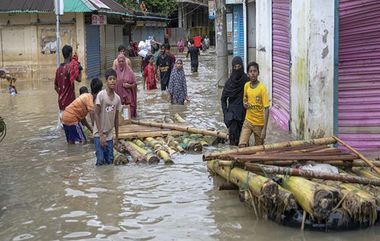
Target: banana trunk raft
{"x": 319, "y": 184}
{"x": 150, "y": 142}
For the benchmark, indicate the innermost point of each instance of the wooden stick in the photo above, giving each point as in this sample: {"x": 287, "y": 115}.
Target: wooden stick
{"x": 254, "y": 149}
{"x": 369, "y": 162}
{"x": 182, "y": 128}
{"x": 310, "y": 174}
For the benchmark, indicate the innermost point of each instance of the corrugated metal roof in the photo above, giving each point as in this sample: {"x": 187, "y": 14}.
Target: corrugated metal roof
{"x": 33, "y": 6}
{"x": 26, "y": 6}
{"x": 150, "y": 16}
{"x": 115, "y": 8}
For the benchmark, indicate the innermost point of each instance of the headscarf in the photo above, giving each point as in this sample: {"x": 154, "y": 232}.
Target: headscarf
{"x": 180, "y": 43}
{"x": 235, "y": 84}
{"x": 177, "y": 82}
{"x": 125, "y": 75}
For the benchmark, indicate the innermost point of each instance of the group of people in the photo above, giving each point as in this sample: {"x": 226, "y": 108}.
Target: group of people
{"x": 245, "y": 104}
{"x": 244, "y": 100}
{"x": 167, "y": 70}
{"x": 104, "y": 105}
{"x": 199, "y": 42}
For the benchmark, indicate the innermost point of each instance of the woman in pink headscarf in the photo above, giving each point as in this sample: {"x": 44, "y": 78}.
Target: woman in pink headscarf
{"x": 181, "y": 46}
{"x": 126, "y": 86}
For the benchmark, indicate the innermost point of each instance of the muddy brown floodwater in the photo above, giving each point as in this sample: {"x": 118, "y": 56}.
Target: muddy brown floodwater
{"x": 53, "y": 191}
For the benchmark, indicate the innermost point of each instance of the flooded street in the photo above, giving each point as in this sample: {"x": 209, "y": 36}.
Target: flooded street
{"x": 53, "y": 191}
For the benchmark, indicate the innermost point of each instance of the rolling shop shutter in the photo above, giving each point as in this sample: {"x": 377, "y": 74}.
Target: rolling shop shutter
{"x": 359, "y": 73}
{"x": 92, "y": 51}
{"x": 281, "y": 62}
{"x": 111, "y": 47}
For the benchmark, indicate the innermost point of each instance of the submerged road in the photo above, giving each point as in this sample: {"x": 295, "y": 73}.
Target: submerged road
{"x": 53, "y": 191}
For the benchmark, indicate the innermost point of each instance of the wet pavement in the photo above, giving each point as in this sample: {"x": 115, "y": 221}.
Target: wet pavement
{"x": 53, "y": 191}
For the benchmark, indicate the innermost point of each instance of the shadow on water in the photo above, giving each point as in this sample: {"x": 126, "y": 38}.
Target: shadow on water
{"x": 51, "y": 190}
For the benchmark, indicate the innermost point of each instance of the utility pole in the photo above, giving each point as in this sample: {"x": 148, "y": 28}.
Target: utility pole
{"x": 221, "y": 43}
{"x": 58, "y": 5}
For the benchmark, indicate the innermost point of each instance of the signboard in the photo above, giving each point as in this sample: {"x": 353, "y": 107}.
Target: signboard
{"x": 211, "y": 9}
{"x": 234, "y": 1}
{"x": 98, "y": 19}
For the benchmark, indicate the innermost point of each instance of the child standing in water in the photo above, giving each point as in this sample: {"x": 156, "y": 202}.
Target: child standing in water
{"x": 177, "y": 84}
{"x": 107, "y": 107}
{"x": 256, "y": 102}
{"x": 12, "y": 87}
{"x": 150, "y": 74}
{"x": 75, "y": 114}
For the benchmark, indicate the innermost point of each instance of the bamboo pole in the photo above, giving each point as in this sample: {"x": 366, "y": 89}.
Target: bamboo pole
{"x": 355, "y": 163}
{"x": 139, "y": 142}
{"x": 119, "y": 158}
{"x": 160, "y": 141}
{"x": 173, "y": 143}
{"x": 192, "y": 145}
{"x": 158, "y": 148}
{"x": 304, "y": 156}
{"x": 136, "y": 156}
{"x": 148, "y": 156}
{"x": 369, "y": 162}
{"x": 310, "y": 174}
{"x": 268, "y": 147}
{"x": 133, "y": 135}
{"x": 182, "y": 128}
{"x": 178, "y": 118}
{"x": 365, "y": 172}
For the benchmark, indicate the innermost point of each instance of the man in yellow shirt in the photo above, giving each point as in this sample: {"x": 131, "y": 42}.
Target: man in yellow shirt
{"x": 256, "y": 102}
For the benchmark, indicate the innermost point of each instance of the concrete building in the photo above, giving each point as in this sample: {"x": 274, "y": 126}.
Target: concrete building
{"x": 318, "y": 61}
{"x": 28, "y": 39}
{"x": 193, "y": 18}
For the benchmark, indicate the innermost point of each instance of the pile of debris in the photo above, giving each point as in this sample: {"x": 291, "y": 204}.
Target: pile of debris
{"x": 309, "y": 184}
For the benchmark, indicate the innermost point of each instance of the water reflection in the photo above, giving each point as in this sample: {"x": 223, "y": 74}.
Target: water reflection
{"x": 51, "y": 190}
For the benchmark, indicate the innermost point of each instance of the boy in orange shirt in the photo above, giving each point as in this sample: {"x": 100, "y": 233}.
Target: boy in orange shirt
{"x": 256, "y": 102}
{"x": 76, "y": 113}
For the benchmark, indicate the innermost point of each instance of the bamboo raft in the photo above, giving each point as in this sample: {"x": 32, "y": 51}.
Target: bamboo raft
{"x": 150, "y": 142}
{"x": 311, "y": 184}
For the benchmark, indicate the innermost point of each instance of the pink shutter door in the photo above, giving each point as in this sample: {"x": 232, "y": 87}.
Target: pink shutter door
{"x": 281, "y": 62}
{"x": 359, "y": 73}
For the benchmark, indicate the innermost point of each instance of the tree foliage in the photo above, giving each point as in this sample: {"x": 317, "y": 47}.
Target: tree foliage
{"x": 163, "y": 7}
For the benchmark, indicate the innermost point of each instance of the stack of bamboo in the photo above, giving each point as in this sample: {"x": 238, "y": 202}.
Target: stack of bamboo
{"x": 275, "y": 181}
{"x": 153, "y": 149}
{"x": 147, "y": 141}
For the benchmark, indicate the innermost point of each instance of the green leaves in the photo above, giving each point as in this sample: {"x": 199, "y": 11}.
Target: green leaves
{"x": 162, "y": 7}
